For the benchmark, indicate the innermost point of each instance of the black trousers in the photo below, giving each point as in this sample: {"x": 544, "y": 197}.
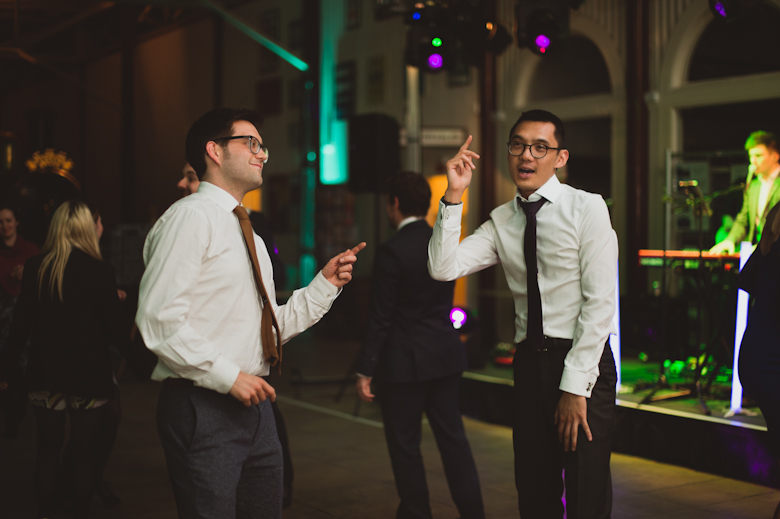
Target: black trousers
{"x": 540, "y": 459}
{"x": 84, "y": 434}
{"x": 224, "y": 459}
{"x": 402, "y": 406}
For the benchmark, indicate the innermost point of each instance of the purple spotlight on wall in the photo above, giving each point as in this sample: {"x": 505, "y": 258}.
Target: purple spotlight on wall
{"x": 458, "y": 318}
{"x": 721, "y": 10}
{"x": 435, "y": 61}
{"x": 542, "y": 42}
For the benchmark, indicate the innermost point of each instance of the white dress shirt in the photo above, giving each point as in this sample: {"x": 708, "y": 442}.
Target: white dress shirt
{"x": 577, "y": 255}
{"x": 198, "y": 307}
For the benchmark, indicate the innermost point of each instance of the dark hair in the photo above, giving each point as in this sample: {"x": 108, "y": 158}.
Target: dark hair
{"x": 543, "y": 116}
{"x": 758, "y": 138}
{"x": 212, "y": 125}
{"x": 8, "y": 204}
{"x": 412, "y": 191}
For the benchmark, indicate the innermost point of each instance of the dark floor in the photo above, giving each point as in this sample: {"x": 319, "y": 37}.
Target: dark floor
{"x": 341, "y": 464}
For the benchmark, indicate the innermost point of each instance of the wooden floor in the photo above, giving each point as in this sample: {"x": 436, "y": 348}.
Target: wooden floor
{"x": 342, "y": 468}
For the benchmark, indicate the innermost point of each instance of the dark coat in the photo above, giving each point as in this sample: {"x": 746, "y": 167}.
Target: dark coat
{"x": 410, "y": 335}
{"x": 69, "y": 339}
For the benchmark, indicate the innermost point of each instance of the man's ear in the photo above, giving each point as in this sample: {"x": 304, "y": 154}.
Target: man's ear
{"x": 214, "y": 152}
{"x": 563, "y": 158}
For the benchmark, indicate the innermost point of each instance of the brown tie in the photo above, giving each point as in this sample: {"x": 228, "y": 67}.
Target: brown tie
{"x": 272, "y": 348}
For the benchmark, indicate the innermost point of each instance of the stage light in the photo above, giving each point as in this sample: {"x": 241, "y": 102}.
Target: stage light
{"x": 435, "y": 61}
{"x": 458, "y": 318}
{"x": 543, "y": 25}
{"x": 416, "y": 16}
{"x": 542, "y": 43}
{"x": 436, "y": 42}
{"x": 730, "y": 10}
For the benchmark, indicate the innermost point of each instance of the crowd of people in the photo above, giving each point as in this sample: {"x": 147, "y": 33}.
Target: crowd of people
{"x": 213, "y": 331}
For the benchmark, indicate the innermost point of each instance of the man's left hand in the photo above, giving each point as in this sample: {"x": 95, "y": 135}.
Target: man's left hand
{"x": 572, "y": 412}
{"x": 339, "y": 269}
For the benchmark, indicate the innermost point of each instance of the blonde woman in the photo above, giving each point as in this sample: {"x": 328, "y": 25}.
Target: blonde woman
{"x": 69, "y": 310}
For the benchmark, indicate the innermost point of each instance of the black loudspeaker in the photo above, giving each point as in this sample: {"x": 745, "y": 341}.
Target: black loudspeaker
{"x": 374, "y": 152}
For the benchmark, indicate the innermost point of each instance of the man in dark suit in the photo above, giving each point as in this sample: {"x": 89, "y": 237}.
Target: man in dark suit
{"x": 762, "y": 191}
{"x": 416, "y": 358}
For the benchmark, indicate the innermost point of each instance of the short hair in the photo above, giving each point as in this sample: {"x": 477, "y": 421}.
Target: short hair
{"x": 412, "y": 191}
{"x": 543, "y": 116}
{"x": 9, "y": 205}
{"x": 760, "y": 137}
{"x": 213, "y": 125}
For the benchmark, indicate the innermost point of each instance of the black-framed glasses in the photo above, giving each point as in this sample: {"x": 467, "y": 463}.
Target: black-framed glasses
{"x": 254, "y": 144}
{"x": 538, "y": 150}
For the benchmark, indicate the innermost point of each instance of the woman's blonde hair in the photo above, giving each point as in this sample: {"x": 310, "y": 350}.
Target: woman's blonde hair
{"x": 71, "y": 226}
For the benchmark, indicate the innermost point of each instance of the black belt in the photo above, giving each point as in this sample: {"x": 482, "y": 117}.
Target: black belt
{"x": 178, "y": 382}
{"x": 550, "y": 343}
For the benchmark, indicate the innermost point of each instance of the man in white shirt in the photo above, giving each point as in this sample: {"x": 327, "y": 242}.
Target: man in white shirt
{"x": 564, "y": 371}
{"x": 200, "y": 312}
{"x": 762, "y": 192}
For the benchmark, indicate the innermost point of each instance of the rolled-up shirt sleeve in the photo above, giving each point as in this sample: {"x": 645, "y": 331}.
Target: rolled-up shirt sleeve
{"x": 598, "y": 267}
{"x": 173, "y": 254}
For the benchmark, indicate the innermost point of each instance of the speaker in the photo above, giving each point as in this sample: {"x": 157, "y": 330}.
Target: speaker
{"x": 374, "y": 152}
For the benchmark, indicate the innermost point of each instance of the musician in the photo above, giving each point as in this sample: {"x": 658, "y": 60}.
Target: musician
{"x": 762, "y": 191}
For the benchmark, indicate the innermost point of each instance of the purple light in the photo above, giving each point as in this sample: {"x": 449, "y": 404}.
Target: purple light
{"x": 542, "y": 42}
{"x": 458, "y": 318}
{"x": 435, "y": 61}
{"x": 721, "y": 10}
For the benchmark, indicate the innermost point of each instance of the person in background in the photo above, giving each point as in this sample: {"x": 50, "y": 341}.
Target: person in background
{"x": 762, "y": 192}
{"x": 14, "y": 251}
{"x": 759, "y": 354}
{"x": 416, "y": 358}
{"x": 69, "y": 310}
{"x": 189, "y": 180}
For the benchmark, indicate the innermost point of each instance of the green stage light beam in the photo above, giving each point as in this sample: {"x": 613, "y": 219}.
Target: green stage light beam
{"x": 259, "y": 38}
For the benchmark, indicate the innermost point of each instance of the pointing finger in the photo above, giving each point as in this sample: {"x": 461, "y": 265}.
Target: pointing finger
{"x": 466, "y": 144}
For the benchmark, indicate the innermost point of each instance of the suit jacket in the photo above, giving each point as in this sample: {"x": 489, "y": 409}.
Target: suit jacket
{"x": 744, "y": 228}
{"x": 69, "y": 339}
{"x": 410, "y": 335}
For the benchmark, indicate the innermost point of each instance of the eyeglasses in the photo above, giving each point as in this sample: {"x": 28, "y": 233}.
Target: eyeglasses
{"x": 254, "y": 144}
{"x": 538, "y": 151}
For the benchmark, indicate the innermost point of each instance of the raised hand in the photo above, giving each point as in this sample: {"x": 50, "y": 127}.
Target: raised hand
{"x": 338, "y": 270}
{"x": 459, "y": 170}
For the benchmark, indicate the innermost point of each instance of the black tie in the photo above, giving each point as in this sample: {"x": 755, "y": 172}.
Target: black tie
{"x": 534, "y": 328}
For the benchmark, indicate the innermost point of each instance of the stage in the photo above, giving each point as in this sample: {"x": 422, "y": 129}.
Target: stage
{"x": 676, "y": 431}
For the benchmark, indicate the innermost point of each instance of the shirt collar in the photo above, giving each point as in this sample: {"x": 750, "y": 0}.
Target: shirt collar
{"x": 408, "y": 220}
{"x": 221, "y": 197}
{"x": 550, "y": 191}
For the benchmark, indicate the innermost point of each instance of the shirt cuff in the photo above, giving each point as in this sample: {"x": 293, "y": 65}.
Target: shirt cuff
{"x": 450, "y": 215}
{"x": 323, "y": 287}
{"x": 443, "y": 201}
{"x": 577, "y": 382}
{"x": 221, "y": 377}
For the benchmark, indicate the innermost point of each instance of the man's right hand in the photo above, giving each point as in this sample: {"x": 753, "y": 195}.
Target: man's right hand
{"x": 726, "y": 246}
{"x": 249, "y": 389}
{"x": 459, "y": 172}
{"x": 363, "y": 387}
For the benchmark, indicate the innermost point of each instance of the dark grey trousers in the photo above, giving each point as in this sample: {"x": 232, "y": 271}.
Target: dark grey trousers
{"x": 224, "y": 459}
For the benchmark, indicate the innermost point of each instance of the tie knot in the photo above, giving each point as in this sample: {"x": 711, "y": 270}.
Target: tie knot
{"x": 241, "y": 212}
{"x": 531, "y": 208}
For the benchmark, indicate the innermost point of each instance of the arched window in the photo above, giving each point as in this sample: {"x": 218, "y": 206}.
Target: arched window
{"x": 750, "y": 45}
{"x": 576, "y": 69}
